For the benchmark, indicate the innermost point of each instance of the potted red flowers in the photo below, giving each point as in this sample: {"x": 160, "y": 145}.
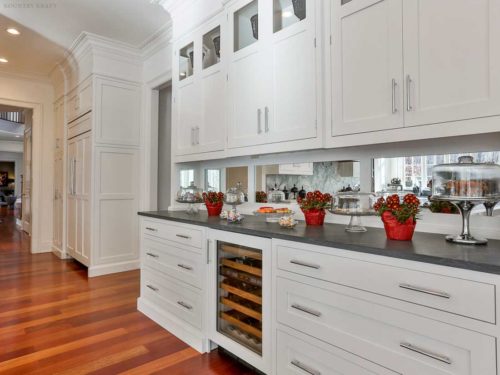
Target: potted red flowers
{"x": 214, "y": 202}
{"x": 314, "y": 205}
{"x": 399, "y": 218}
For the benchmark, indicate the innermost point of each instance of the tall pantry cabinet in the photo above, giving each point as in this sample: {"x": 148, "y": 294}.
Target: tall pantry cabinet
{"x": 102, "y": 169}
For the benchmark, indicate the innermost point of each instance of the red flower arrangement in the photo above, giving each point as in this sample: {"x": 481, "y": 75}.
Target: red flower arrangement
{"x": 313, "y": 206}
{"x": 214, "y": 202}
{"x": 399, "y": 218}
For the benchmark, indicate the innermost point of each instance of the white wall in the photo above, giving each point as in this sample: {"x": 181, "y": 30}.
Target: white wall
{"x": 164, "y": 147}
{"x": 38, "y": 94}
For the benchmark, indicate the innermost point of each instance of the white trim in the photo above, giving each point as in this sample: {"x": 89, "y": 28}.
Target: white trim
{"x": 106, "y": 269}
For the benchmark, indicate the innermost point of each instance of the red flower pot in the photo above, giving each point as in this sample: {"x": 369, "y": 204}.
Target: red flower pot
{"x": 314, "y": 216}
{"x": 395, "y": 230}
{"x": 214, "y": 209}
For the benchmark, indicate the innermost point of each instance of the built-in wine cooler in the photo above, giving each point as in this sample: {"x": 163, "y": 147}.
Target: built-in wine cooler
{"x": 240, "y": 294}
{"x": 242, "y": 304}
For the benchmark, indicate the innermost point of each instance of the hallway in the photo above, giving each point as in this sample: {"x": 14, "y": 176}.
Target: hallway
{"x": 53, "y": 320}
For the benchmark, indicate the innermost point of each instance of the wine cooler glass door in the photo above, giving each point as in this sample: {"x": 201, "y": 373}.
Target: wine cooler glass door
{"x": 239, "y": 299}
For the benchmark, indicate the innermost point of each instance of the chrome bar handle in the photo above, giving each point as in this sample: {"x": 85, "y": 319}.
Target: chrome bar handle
{"x": 197, "y": 132}
{"x": 192, "y": 136}
{"x": 183, "y": 236}
{"x": 394, "y": 105}
{"x": 427, "y": 353}
{"x": 305, "y": 368}
{"x": 185, "y": 305}
{"x": 408, "y": 93}
{"x": 259, "y": 118}
{"x": 152, "y": 288}
{"x": 266, "y": 116}
{"x": 180, "y": 265}
{"x": 425, "y": 291}
{"x": 152, "y": 229}
{"x": 306, "y": 310}
{"x": 304, "y": 264}
{"x": 74, "y": 176}
{"x": 208, "y": 250}
{"x": 153, "y": 255}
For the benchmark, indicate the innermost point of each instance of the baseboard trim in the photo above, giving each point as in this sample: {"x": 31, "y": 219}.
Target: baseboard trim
{"x": 193, "y": 338}
{"x": 106, "y": 269}
{"x": 59, "y": 253}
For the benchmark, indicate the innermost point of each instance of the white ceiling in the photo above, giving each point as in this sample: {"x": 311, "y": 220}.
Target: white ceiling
{"x": 48, "y": 27}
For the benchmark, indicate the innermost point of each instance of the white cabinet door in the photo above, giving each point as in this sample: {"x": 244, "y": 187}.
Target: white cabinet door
{"x": 212, "y": 132}
{"x": 247, "y": 74}
{"x": 367, "y": 66}
{"x": 294, "y": 58}
{"x": 187, "y": 118}
{"x": 84, "y": 157}
{"x": 72, "y": 205}
{"x": 452, "y": 60}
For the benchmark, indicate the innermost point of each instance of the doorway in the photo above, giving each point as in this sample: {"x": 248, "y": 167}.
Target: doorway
{"x": 164, "y": 145}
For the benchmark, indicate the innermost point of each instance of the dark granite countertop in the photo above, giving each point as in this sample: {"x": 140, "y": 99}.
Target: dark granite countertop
{"x": 425, "y": 247}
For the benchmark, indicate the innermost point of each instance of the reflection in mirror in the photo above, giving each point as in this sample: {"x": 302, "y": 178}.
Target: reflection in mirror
{"x": 284, "y": 183}
{"x": 413, "y": 174}
{"x": 235, "y": 175}
{"x": 213, "y": 179}
{"x": 186, "y": 177}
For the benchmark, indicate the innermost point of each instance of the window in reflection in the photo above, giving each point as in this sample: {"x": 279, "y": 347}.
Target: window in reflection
{"x": 213, "y": 180}
{"x": 186, "y": 177}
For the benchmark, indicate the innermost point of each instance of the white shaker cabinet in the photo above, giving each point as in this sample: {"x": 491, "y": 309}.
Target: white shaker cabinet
{"x": 452, "y": 60}
{"x": 199, "y": 108}
{"x": 273, "y": 72}
{"x": 367, "y": 66}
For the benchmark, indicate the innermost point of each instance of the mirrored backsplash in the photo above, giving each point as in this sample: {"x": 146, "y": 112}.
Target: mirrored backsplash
{"x": 330, "y": 177}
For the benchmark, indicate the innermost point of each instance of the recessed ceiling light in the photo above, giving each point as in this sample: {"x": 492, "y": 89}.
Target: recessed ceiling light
{"x": 13, "y": 31}
{"x": 3, "y": 60}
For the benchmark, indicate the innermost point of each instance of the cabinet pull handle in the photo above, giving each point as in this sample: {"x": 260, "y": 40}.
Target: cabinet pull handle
{"x": 416, "y": 349}
{"x": 425, "y": 290}
{"x": 197, "y": 135}
{"x": 208, "y": 251}
{"x": 394, "y": 86}
{"x": 74, "y": 176}
{"x": 183, "y": 236}
{"x": 185, "y": 305}
{"x": 259, "y": 118}
{"x": 152, "y": 255}
{"x": 152, "y": 288}
{"x": 266, "y": 116}
{"x": 185, "y": 267}
{"x": 192, "y": 136}
{"x": 306, "y": 310}
{"x": 304, "y": 264}
{"x": 408, "y": 93}
{"x": 152, "y": 229}
{"x": 305, "y": 368}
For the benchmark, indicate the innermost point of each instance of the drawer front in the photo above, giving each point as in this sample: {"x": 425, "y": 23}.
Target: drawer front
{"x": 403, "y": 342}
{"x": 458, "y": 296}
{"x": 182, "y": 234}
{"x": 80, "y": 126}
{"x": 172, "y": 296}
{"x": 295, "y": 356}
{"x": 174, "y": 260}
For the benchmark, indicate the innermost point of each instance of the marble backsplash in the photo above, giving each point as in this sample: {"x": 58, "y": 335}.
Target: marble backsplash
{"x": 326, "y": 178}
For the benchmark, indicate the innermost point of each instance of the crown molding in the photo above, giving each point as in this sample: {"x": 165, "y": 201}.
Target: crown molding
{"x": 25, "y": 75}
{"x": 160, "y": 39}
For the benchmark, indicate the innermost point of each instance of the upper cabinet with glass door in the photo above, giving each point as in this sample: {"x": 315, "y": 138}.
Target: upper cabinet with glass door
{"x": 199, "y": 92}
{"x": 273, "y": 71}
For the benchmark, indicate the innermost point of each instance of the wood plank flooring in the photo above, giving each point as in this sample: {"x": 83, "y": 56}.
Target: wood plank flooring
{"x": 54, "y": 320}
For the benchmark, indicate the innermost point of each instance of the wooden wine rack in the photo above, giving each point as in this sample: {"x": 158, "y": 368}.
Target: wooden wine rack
{"x": 242, "y": 283}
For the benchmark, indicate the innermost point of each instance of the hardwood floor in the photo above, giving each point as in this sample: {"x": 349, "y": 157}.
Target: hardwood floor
{"x": 54, "y": 320}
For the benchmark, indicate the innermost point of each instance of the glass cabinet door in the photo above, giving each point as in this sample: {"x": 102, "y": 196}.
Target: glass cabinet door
{"x": 287, "y": 13}
{"x": 246, "y": 25}
{"x": 239, "y": 279}
{"x": 211, "y": 53}
{"x": 186, "y": 61}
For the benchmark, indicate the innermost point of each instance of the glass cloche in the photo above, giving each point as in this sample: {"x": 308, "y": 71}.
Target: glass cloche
{"x": 235, "y": 196}
{"x": 191, "y": 195}
{"x": 355, "y": 205}
{"x": 466, "y": 184}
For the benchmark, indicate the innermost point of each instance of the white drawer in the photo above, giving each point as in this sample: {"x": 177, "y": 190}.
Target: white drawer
{"x": 403, "y": 342}
{"x": 296, "y": 356}
{"x": 458, "y": 296}
{"x": 175, "y": 297}
{"x": 179, "y": 233}
{"x": 80, "y": 126}
{"x": 174, "y": 260}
